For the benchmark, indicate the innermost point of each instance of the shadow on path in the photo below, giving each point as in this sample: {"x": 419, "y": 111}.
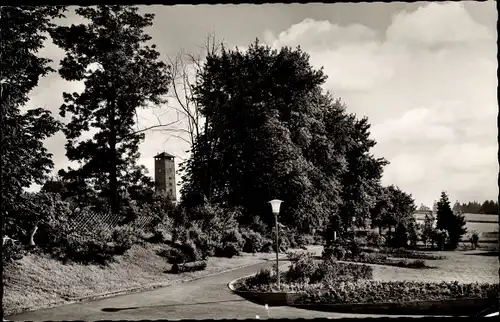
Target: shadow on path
{"x": 117, "y": 309}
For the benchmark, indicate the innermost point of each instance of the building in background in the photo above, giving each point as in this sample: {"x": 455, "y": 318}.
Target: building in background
{"x": 165, "y": 174}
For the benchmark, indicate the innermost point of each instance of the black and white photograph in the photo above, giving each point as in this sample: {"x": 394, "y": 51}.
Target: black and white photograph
{"x": 249, "y": 161}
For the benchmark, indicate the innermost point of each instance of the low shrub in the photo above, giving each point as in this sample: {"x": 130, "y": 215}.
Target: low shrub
{"x": 267, "y": 246}
{"x": 172, "y": 255}
{"x": 365, "y": 291}
{"x": 184, "y": 253}
{"x": 293, "y": 239}
{"x": 303, "y": 268}
{"x": 318, "y": 240}
{"x": 374, "y": 239}
{"x": 253, "y": 241}
{"x": 12, "y": 251}
{"x": 333, "y": 272}
{"x": 336, "y": 251}
{"x": 409, "y": 254}
{"x": 228, "y": 250}
{"x": 89, "y": 246}
{"x": 264, "y": 277}
{"x": 178, "y": 268}
{"x": 159, "y": 235}
{"x": 233, "y": 236}
{"x": 124, "y": 237}
{"x": 191, "y": 253}
{"x": 416, "y": 264}
{"x": 305, "y": 240}
{"x": 202, "y": 241}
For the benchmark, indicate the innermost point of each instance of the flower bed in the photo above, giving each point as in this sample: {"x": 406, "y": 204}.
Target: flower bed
{"x": 377, "y": 291}
{"x": 332, "y": 282}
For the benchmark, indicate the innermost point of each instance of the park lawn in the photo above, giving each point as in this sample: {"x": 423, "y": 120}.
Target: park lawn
{"x": 464, "y": 266}
{"x": 37, "y": 281}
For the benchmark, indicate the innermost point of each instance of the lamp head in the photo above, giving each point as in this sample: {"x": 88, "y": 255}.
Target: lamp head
{"x": 275, "y": 205}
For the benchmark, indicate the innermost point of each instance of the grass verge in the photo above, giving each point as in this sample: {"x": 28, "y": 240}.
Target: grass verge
{"x": 37, "y": 281}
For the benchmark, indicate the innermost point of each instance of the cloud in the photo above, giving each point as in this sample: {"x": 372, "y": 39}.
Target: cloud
{"x": 436, "y": 24}
{"x": 428, "y": 85}
{"x": 321, "y": 34}
{"x": 351, "y": 55}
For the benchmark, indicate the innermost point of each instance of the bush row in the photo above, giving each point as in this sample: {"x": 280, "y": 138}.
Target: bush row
{"x": 355, "y": 254}
{"x": 404, "y": 253}
{"x": 398, "y": 291}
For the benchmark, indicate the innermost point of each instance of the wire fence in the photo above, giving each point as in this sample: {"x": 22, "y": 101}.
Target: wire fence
{"x": 110, "y": 220}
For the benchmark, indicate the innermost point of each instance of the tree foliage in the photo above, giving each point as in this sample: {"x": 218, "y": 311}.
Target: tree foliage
{"x": 393, "y": 207}
{"x": 271, "y": 132}
{"x": 121, "y": 74}
{"x": 474, "y": 207}
{"x": 449, "y": 221}
{"x": 24, "y": 158}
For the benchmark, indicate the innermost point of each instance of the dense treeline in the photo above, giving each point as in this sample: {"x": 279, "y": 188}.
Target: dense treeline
{"x": 487, "y": 207}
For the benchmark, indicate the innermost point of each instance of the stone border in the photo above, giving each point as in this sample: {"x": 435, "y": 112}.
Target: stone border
{"x": 460, "y": 307}
{"x": 262, "y": 298}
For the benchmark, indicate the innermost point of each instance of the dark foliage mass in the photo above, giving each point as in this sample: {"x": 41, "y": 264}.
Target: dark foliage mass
{"x": 25, "y": 160}
{"x": 271, "y": 132}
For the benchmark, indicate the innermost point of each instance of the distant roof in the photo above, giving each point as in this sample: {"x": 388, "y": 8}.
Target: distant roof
{"x": 164, "y": 155}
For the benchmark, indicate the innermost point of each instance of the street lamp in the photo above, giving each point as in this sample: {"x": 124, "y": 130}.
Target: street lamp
{"x": 275, "y": 205}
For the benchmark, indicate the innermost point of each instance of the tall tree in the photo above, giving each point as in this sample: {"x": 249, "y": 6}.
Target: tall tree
{"x": 24, "y": 158}
{"x": 121, "y": 75}
{"x": 444, "y": 212}
{"x": 271, "y": 132}
{"x": 401, "y": 209}
{"x": 453, "y": 223}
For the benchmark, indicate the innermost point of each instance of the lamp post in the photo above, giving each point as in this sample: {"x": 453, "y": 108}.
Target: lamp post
{"x": 353, "y": 227}
{"x": 275, "y": 205}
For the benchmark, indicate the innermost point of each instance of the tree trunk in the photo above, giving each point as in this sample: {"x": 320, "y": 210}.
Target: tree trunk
{"x": 113, "y": 180}
{"x": 32, "y": 235}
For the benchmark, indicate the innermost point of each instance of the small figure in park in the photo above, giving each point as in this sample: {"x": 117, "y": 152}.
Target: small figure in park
{"x": 474, "y": 240}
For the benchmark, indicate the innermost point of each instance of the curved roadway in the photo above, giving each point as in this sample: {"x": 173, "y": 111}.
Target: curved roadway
{"x": 206, "y": 298}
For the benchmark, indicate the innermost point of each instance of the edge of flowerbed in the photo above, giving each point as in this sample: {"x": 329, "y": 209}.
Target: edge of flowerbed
{"x": 448, "y": 307}
{"x": 263, "y": 298}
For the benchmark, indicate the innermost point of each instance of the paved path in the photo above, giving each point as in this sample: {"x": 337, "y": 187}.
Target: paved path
{"x": 206, "y": 298}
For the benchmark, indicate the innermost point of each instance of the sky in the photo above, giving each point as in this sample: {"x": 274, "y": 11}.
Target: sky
{"x": 424, "y": 73}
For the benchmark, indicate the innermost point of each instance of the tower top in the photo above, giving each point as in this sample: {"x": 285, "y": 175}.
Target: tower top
{"x": 164, "y": 155}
